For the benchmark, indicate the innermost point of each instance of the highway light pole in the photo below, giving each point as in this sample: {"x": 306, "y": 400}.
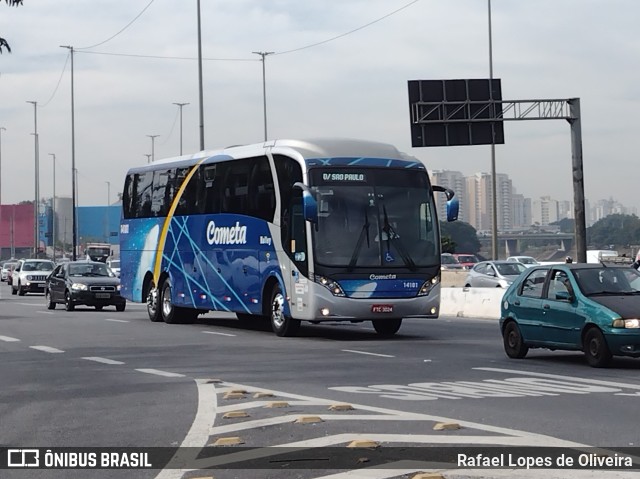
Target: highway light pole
{"x": 2, "y": 128}
{"x": 53, "y": 208}
{"x": 74, "y": 232}
{"x": 153, "y": 152}
{"x": 36, "y": 243}
{"x": 494, "y": 189}
{"x": 264, "y": 90}
{"x": 180, "y": 105}
{"x": 108, "y": 203}
{"x": 200, "y": 89}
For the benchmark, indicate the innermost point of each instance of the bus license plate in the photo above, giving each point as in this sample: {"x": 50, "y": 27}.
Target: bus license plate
{"x": 382, "y": 308}
{"x": 103, "y": 295}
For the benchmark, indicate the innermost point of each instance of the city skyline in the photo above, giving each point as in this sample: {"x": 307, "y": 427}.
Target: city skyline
{"x": 515, "y": 211}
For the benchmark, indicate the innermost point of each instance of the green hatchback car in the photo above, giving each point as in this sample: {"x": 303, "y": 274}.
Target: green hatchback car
{"x": 582, "y": 307}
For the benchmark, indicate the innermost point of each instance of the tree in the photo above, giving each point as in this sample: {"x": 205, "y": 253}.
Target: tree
{"x": 567, "y": 225}
{"x": 3, "y": 42}
{"x": 617, "y": 230}
{"x": 463, "y": 236}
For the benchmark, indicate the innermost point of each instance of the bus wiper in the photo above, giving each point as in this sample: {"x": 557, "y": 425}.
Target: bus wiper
{"x": 364, "y": 231}
{"x": 392, "y": 235}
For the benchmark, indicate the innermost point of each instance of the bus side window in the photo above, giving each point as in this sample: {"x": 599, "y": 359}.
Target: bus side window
{"x": 262, "y": 193}
{"x": 128, "y": 197}
{"x": 144, "y": 184}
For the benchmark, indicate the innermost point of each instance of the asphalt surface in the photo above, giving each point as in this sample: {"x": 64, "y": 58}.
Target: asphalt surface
{"x": 109, "y": 379}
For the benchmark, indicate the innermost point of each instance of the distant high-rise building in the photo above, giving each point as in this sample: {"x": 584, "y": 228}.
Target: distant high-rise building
{"x": 544, "y": 211}
{"x": 480, "y": 201}
{"x": 521, "y": 212}
{"x": 456, "y": 181}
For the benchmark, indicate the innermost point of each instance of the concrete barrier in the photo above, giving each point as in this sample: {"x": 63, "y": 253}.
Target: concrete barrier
{"x": 471, "y": 302}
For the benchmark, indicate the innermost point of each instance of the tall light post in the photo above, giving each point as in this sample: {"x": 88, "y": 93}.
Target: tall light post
{"x": 180, "y": 105}
{"x": 148, "y": 155}
{"x": 153, "y": 141}
{"x": 2, "y": 128}
{"x": 200, "y": 89}
{"x": 494, "y": 187}
{"x": 73, "y": 165}
{"x": 264, "y": 90}
{"x": 108, "y": 203}
{"x": 53, "y": 208}
{"x": 36, "y": 243}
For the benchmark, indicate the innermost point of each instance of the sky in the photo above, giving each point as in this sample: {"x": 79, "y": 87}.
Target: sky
{"x": 339, "y": 69}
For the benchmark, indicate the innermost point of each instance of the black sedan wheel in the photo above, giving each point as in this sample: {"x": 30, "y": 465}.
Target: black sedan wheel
{"x": 596, "y": 349}
{"x": 49, "y": 301}
{"x": 120, "y": 307}
{"x": 68, "y": 302}
{"x": 513, "y": 343}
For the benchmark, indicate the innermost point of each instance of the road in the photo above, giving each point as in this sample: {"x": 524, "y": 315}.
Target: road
{"x": 108, "y": 379}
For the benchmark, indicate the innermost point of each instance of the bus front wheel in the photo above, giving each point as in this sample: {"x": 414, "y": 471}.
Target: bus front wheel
{"x": 153, "y": 303}
{"x": 387, "y": 327}
{"x": 281, "y": 324}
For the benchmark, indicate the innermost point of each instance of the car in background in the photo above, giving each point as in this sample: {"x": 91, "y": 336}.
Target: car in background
{"x": 449, "y": 262}
{"x": 528, "y": 261}
{"x": 578, "y": 307}
{"x": 30, "y": 276}
{"x": 467, "y": 260}
{"x": 89, "y": 283}
{"x": 114, "y": 265}
{"x": 493, "y": 274}
{"x": 6, "y": 267}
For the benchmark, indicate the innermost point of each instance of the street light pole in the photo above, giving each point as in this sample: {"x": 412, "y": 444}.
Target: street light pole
{"x": 2, "y": 128}
{"x": 200, "y": 89}
{"x": 153, "y": 153}
{"x": 53, "y": 208}
{"x": 180, "y": 105}
{"x": 74, "y": 232}
{"x": 264, "y": 90}
{"x": 494, "y": 187}
{"x": 148, "y": 155}
{"x": 108, "y": 204}
{"x": 36, "y": 243}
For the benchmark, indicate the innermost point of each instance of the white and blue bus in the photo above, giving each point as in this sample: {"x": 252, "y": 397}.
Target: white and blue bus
{"x": 285, "y": 231}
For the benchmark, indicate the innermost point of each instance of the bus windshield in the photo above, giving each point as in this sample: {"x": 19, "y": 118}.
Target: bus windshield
{"x": 371, "y": 217}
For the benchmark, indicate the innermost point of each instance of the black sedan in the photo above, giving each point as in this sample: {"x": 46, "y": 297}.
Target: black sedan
{"x": 83, "y": 283}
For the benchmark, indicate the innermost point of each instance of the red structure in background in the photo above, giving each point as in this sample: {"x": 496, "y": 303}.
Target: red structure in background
{"x": 16, "y": 227}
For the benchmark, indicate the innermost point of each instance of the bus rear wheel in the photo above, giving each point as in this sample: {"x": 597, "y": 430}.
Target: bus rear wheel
{"x": 387, "y": 327}
{"x": 281, "y": 324}
{"x": 153, "y": 303}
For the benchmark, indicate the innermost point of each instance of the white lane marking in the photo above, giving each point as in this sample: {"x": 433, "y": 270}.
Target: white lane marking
{"x": 198, "y": 434}
{"x": 367, "y": 353}
{"x": 103, "y": 360}
{"x": 596, "y": 382}
{"x": 117, "y": 320}
{"x": 219, "y": 334}
{"x": 8, "y": 339}
{"x": 158, "y": 372}
{"x": 47, "y": 349}
{"x": 44, "y": 312}
{"x": 37, "y": 305}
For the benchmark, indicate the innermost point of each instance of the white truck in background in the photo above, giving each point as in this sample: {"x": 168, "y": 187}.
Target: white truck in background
{"x": 607, "y": 256}
{"x": 98, "y": 251}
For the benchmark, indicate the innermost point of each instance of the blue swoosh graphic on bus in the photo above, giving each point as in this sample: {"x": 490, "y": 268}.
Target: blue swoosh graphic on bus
{"x": 198, "y": 251}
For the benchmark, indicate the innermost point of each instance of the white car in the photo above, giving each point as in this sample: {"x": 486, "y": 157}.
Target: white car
{"x": 528, "y": 261}
{"x": 5, "y": 269}
{"x": 114, "y": 265}
{"x": 30, "y": 276}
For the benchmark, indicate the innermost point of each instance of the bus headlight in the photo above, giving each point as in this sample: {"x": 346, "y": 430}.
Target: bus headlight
{"x": 428, "y": 285}
{"x": 331, "y": 285}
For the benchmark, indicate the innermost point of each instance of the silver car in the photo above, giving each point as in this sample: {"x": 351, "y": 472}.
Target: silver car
{"x": 494, "y": 274}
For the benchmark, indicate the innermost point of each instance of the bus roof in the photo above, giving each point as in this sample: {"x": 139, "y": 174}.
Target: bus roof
{"x": 337, "y": 149}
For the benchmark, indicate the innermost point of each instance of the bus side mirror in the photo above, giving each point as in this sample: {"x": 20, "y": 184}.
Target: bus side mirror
{"x": 309, "y": 203}
{"x": 453, "y": 205}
